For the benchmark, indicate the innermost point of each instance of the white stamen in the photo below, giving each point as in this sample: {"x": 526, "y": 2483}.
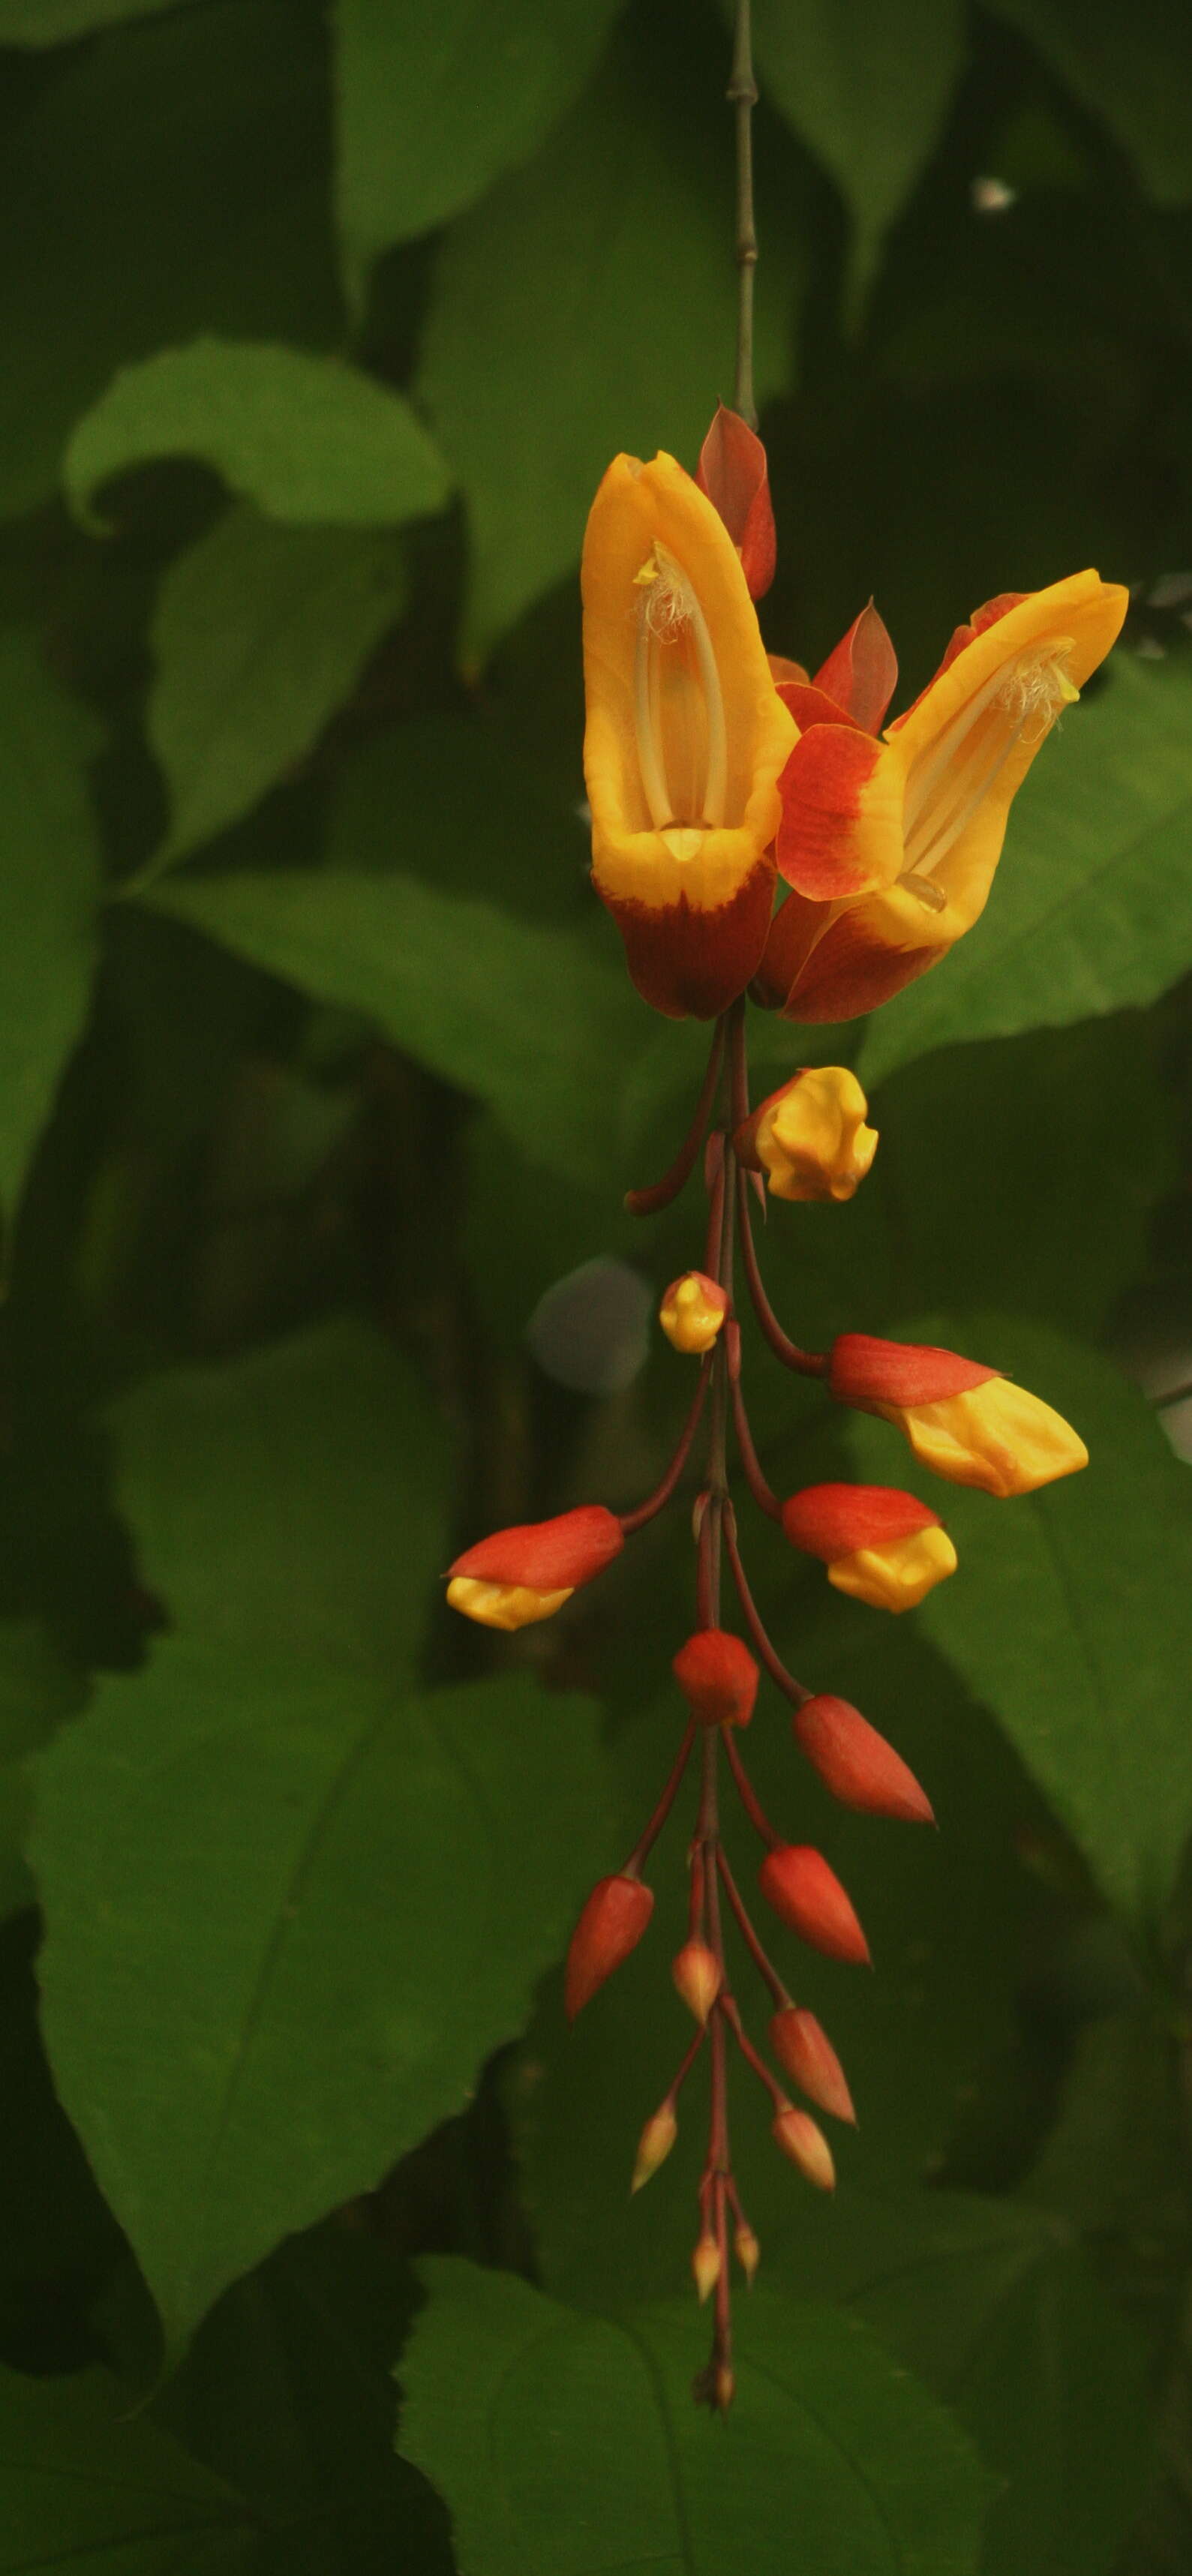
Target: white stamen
{"x": 668, "y": 606}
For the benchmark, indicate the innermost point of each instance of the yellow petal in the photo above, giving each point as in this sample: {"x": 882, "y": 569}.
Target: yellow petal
{"x": 996, "y": 1437}
{"x": 503, "y": 1605}
{"x": 897, "y": 1575}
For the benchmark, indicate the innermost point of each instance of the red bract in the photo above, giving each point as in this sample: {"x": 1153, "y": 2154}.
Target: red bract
{"x": 858, "y": 1765}
{"x": 861, "y": 674}
{"x": 808, "y": 1895}
{"x": 718, "y": 1678}
{"x": 548, "y": 1556}
{"x": 866, "y": 1371}
{"x": 732, "y": 470}
{"x": 831, "y": 1521}
{"x": 611, "y": 1925}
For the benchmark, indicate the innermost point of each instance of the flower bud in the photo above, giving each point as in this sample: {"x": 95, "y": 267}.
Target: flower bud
{"x": 808, "y": 2057}
{"x": 705, "y": 2263}
{"x": 724, "y": 2387}
{"x": 526, "y": 1573}
{"x": 806, "y": 2146}
{"x": 961, "y": 1419}
{"x": 692, "y": 1312}
{"x": 808, "y": 1895}
{"x": 748, "y": 2251}
{"x": 810, "y": 1137}
{"x": 718, "y": 1677}
{"x": 879, "y": 1545}
{"x": 732, "y": 470}
{"x": 697, "y": 1977}
{"x": 654, "y": 2145}
{"x": 611, "y": 1925}
{"x": 857, "y": 1764}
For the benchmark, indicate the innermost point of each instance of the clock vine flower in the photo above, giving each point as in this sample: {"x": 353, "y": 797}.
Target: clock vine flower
{"x": 714, "y": 773}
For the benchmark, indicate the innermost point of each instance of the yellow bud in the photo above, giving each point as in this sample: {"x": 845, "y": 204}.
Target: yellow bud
{"x": 697, "y": 1977}
{"x": 810, "y": 1138}
{"x": 705, "y": 2263}
{"x": 995, "y": 1436}
{"x": 654, "y": 2145}
{"x": 807, "y": 2147}
{"x": 748, "y": 2251}
{"x": 503, "y": 1605}
{"x": 692, "y": 1312}
{"x": 897, "y": 1575}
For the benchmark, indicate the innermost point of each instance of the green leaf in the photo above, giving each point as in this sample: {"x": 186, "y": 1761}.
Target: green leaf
{"x": 260, "y": 634}
{"x": 108, "y": 175}
{"x": 444, "y": 799}
{"x": 295, "y": 1498}
{"x": 528, "y": 1019}
{"x": 307, "y": 438}
{"x": 592, "y": 296}
{"x": 287, "y": 1918}
{"x": 568, "y": 2445}
{"x": 1090, "y": 908}
{"x": 1130, "y": 72}
{"x": 86, "y": 2482}
{"x": 54, "y": 22}
{"x": 1070, "y": 1614}
{"x": 37, "y": 1690}
{"x": 868, "y": 93}
{"x": 49, "y": 875}
{"x": 432, "y": 107}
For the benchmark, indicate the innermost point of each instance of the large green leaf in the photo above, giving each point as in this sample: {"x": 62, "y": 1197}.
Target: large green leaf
{"x": 54, "y": 22}
{"x": 260, "y": 634}
{"x": 287, "y": 1917}
{"x": 1131, "y": 72}
{"x": 87, "y": 2483}
{"x": 567, "y": 2445}
{"x": 867, "y": 91}
{"x": 592, "y": 297}
{"x": 445, "y": 799}
{"x": 431, "y": 106}
{"x": 49, "y": 874}
{"x": 1070, "y": 1614}
{"x": 293, "y": 1498}
{"x": 128, "y": 239}
{"x": 1090, "y": 908}
{"x": 37, "y": 1690}
{"x": 530, "y": 1020}
{"x": 307, "y": 438}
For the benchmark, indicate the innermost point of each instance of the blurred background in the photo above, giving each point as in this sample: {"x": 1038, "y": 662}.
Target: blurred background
{"x": 320, "y": 1087}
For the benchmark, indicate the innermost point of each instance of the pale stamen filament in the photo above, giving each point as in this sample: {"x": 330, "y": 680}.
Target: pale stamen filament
{"x": 1032, "y": 689}
{"x": 669, "y": 611}
{"x": 929, "y": 767}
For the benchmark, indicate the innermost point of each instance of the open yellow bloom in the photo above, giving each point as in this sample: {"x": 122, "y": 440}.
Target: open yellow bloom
{"x": 686, "y": 737}
{"x": 810, "y": 1137}
{"x": 962, "y": 1420}
{"x": 891, "y": 844}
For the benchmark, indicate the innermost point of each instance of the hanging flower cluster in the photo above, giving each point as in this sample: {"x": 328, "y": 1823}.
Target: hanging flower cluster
{"x": 719, "y": 777}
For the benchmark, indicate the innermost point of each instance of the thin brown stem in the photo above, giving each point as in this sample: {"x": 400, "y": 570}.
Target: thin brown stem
{"x": 685, "y": 2065}
{"x": 786, "y": 1683}
{"x": 745, "y": 1791}
{"x": 742, "y": 93}
{"x": 764, "y": 1965}
{"x": 763, "y": 1492}
{"x": 643, "y": 1847}
{"x": 727, "y": 2007}
{"x": 659, "y": 1194}
{"x": 806, "y": 1363}
{"x": 658, "y": 1500}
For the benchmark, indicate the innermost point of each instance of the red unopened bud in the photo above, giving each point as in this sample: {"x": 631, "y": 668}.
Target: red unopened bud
{"x": 748, "y": 2251}
{"x": 732, "y": 471}
{"x": 808, "y": 2057}
{"x": 654, "y": 2145}
{"x": 718, "y": 1678}
{"x": 806, "y": 2146}
{"x": 697, "y": 1977}
{"x": 705, "y": 2264}
{"x": 808, "y": 1895}
{"x": 858, "y": 1765}
{"x": 860, "y": 675}
{"x": 865, "y": 1371}
{"x": 526, "y": 1573}
{"x": 611, "y": 1925}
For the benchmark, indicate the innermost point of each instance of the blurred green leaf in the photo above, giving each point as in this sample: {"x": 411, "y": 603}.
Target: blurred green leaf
{"x": 432, "y": 107}
{"x": 1090, "y": 907}
{"x": 37, "y": 1690}
{"x": 567, "y": 2444}
{"x": 1081, "y": 1672}
{"x": 85, "y": 2481}
{"x": 867, "y": 92}
{"x": 307, "y": 438}
{"x": 529, "y": 1019}
{"x": 260, "y": 634}
{"x": 294, "y": 1498}
{"x": 1132, "y": 72}
{"x": 287, "y": 1917}
{"x": 167, "y": 180}
{"x": 592, "y": 297}
{"x": 54, "y": 22}
{"x": 49, "y": 871}
{"x": 444, "y": 799}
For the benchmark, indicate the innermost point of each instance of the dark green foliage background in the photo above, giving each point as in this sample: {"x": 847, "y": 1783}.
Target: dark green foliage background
{"x": 318, "y": 1067}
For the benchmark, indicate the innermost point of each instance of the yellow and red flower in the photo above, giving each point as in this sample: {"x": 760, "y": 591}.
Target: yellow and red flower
{"x": 686, "y": 739}
{"x": 523, "y": 1574}
{"x": 964, "y": 1421}
{"x": 879, "y": 1545}
{"x": 889, "y": 844}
